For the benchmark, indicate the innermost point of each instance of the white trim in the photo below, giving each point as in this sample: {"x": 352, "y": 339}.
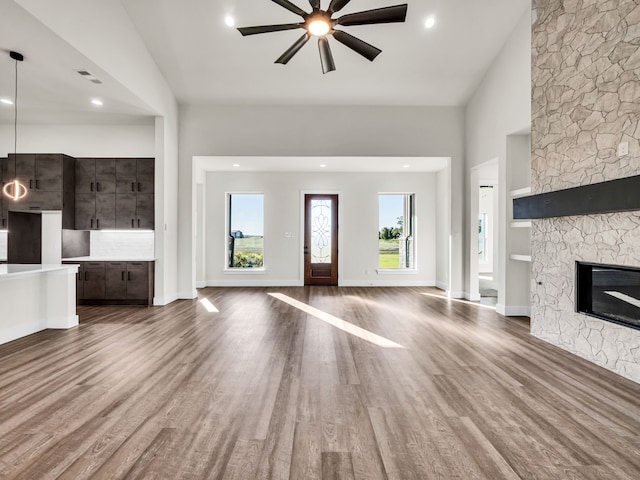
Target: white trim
{"x": 521, "y": 224}
{"x": 513, "y": 310}
{"x": 387, "y": 283}
{"x": 244, "y": 271}
{"x": 442, "y": 286}
{"x": 255, "y": 283}
{"x": 456, "y": 295}
{"x": 397, "y": 271}
{"x": 472, "y": 297}
{"x": 160, "y": 301}
{"x": 520, "y": 258}
{"x": 188, "y": 295}
{"x": 520, "y": 192}
{"x": 201, "y": 284}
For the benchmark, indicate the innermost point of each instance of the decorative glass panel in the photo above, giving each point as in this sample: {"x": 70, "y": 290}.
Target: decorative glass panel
{"x": 321, "y": 231}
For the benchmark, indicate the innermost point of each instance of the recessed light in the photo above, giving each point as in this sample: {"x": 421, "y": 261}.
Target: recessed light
{"x": 230, "y": 21}
{"x": 236, "y": 165}
{"x": 97, "y": 102}
{"x": 323, "y": 166}
{"x": 6, "y": 101}
{"x": 406, "y": 166}
{"x": 430, "y": 22}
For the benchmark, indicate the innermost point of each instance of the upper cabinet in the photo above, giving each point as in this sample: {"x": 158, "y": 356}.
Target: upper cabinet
{"x": 115, "y": 193}
{"x": 50, "y": 183}
{"x": 3, "y": 204}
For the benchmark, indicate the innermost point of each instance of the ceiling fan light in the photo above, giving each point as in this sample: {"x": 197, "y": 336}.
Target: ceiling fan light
{"x": 319, "y": 27}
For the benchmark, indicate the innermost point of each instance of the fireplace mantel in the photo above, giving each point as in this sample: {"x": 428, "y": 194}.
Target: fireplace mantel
{"x": 621, "y": 195}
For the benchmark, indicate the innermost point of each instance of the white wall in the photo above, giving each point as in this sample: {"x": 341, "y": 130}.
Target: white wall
{"x": 81, "y": 140}
{"x": 358, "y": 220}
{"x": 113, "y": 43}
{"x": 500, "y": 106}
{"x": 443, "y": 222}
{"x": 317, "y": 131}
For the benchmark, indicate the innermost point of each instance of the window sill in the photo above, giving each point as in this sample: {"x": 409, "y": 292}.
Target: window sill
{"x": 244, "y": 271}
{"x": 397, "y": 271}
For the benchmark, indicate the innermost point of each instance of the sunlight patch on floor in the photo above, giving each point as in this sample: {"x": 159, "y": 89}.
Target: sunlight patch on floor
{"x": 208, "y": 305}
{"x": 343, "y": 325}
{"x": 458, "y": 300}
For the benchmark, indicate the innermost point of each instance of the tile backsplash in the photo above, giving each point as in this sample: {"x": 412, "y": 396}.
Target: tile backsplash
{"x": 122, "y": 244}
{"x": 3, "y": 245}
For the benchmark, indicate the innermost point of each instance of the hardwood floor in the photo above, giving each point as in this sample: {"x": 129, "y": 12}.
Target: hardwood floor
{"x": 265, "y": 390}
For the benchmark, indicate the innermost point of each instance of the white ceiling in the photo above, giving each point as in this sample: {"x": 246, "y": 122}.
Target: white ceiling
{"x": 205, "y": 61}
{"x": 49, "y": 89}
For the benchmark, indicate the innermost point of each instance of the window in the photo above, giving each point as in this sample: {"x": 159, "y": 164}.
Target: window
{"x": 395, "y": 234}
{"x": 245, "y": 243}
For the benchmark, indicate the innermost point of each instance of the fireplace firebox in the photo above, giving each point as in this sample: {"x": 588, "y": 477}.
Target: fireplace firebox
{"x": 609, "y": 292}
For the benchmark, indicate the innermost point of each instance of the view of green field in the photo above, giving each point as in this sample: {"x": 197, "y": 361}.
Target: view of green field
{"x": 248, "y": 252}
{"x": 389, "y": 253}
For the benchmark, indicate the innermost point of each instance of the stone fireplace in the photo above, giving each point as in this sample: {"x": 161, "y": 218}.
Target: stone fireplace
{"x": 585, "y": 104}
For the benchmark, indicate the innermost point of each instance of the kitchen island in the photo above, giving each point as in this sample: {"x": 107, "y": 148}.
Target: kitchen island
{"x": 35, "y": 298}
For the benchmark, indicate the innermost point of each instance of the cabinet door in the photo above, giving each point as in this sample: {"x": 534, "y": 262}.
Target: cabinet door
{"x": 85, "y": 211}
{"x": 126, "y": 175}
{"x": 94, "y": 280}
{"x": 145, "y": 175}
{"x": 105, "y": 211}
{"x": 80, "y": 283}
{"x": 145, "y": 212}
{"x": 116, "y": 281}
{"x": 85, "y": 175}
{"x": 106, "y": 175}
{"x": 48, "y": 173}
{"x": 137, "y": 280}
{"x": 24, "y": 166}
{"x": 126, "y": 211}
{"x": 39, "y": 200}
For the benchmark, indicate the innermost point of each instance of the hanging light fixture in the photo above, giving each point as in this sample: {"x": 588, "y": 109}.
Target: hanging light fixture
{"x": 15, "y": 190}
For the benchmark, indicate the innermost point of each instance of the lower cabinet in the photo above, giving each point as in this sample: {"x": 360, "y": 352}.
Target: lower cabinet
{"x": 115, "y": 283}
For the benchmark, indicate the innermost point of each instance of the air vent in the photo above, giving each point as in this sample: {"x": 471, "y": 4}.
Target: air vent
{"x": 89, "y": 76}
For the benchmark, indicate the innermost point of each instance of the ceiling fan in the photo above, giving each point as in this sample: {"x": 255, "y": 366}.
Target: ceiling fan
{"x": 319, "y": 23}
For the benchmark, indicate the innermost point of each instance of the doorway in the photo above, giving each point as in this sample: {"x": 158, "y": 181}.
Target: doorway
{"x": 320, "y": 239}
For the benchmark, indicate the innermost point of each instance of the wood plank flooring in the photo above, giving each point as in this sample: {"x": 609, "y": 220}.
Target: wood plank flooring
{"x": 265, "y": 390}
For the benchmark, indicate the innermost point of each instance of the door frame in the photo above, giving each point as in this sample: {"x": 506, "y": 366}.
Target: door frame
{"x": 340, "y": 228}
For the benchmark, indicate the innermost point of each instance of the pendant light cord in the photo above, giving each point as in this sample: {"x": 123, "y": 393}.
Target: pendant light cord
{"x": 15, "y": 115}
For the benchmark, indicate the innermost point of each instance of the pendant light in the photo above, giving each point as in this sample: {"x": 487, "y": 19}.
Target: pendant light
{"x": 15, "y": 190}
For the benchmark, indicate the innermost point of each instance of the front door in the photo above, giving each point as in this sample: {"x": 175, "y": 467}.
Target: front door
{"x": 320, "y": 239}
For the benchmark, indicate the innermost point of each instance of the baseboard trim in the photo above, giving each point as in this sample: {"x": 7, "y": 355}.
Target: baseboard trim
{"x": 386, "y": 283}
{"x": 475, "y": 297}
{"x": 162, "y": 301}
{"x": 456, "y": 295}
{"x": 442, "y": 286}
{"x": 513, "y": 310}
{"x": 201, "y": 284}
{"x": 254, "y": 283}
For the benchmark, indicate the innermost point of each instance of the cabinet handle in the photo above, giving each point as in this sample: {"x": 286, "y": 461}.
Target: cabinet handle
{"x": 128, "y": 276}
{"x": 98, "y": 224}
{"x": 138, "y": 186}
{"x": 30, "y": 184}
{"x": 132, "y": 223}
{"x": 98, "y": 187}
{"x": 86, "y": 276}
{"x": 92, "y": 186}
{"x": 133, "y": 186}
{"x": 92, "y": 224}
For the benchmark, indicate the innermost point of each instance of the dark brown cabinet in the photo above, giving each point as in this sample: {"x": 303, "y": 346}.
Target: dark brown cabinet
{"x": 115, "y": 193}
{"x": 49, "y": 180}
{"x": 117, "y": 283}
{"x": 95, "y": 193}
{"x": 3, "y": 204}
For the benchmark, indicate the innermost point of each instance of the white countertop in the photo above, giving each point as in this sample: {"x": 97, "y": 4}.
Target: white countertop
{"x": 108, "y": 259}
{"x": 14, "y": 270}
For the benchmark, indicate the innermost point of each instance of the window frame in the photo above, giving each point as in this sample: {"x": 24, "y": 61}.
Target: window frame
{"x": 227, "y": 234}
{"x": 413, "y": 233}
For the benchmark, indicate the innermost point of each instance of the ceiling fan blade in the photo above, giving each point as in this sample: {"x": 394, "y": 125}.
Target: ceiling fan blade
{"x": 337, "y": 5}
{"x": 315, "y": 4}
{"x": 363, "y": 48}
{"x": 293, "y": 49}
{"x": 325, "y": 55}
{"x": 291, "y": 7}
{"x": 269, "y": 28}
{"x": 394, "y": 14}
